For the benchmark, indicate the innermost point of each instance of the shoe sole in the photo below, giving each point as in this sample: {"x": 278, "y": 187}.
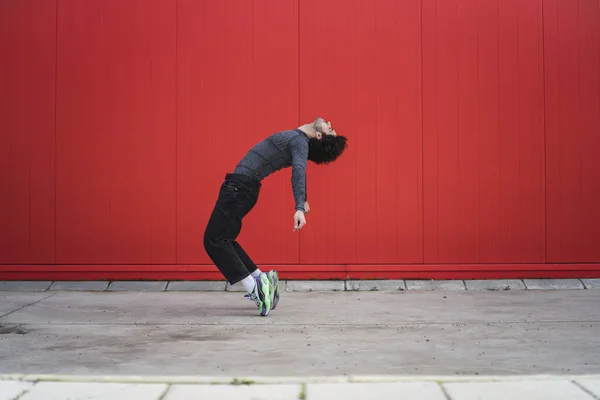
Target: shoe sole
{"x": 265, "y": 289}
{"x": 275, "y": 287}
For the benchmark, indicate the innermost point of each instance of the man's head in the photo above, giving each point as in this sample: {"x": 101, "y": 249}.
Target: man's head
{"x": 327, "y": 145}
{"x": 322, "y": 127}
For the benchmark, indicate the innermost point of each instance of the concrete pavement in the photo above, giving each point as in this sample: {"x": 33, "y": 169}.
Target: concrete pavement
{"x": 314, "y": 333}
{"x": 179, "y": 345}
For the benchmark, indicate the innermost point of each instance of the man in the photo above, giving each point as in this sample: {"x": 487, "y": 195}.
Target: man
{"x": 317, "y": 142}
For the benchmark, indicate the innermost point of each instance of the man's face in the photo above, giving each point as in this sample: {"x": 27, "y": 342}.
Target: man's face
{"x": 323, "y": 127}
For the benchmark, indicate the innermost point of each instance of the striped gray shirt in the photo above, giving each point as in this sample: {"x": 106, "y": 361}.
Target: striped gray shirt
{"x": 280, "y": 150}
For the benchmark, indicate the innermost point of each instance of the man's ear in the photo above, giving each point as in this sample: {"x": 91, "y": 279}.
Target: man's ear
{"x": 319, "y": 135}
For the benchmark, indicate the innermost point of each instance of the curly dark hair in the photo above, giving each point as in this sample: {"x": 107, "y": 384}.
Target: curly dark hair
{"x": 326, "y": 150}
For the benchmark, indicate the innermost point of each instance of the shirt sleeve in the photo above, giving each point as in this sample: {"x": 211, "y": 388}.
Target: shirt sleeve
{"x": 299, "y": 150}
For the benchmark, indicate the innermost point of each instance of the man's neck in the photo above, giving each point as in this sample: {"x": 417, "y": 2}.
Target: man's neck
{"x": 309, "y": 129}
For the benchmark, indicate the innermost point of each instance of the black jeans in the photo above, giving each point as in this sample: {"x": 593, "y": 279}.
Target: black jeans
{"x": 237, "y": 196}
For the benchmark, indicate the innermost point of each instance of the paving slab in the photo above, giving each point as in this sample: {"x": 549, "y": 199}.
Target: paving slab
{"x": 553, "y": 284}
{"x": 318, "y": 333}
{"x": 368, "y": 285}
{"x": 237, "y": 392}
{"x": 95, "y": 391}
{"x": 379, "y": 391}
{"x": 10, "y": 390}
{"x": 591, "y": 385}
{"x": 238, "y": 287}
{"x": 315, "y": 286}
{"x": 24, "y": 285}
{"x": 197, "y": 286}
{"x": 495, "y": 284}
{"x": 437, "y": 285}
{"x": 591, "y": 283}
{"x": 79, "y": 285}
{"x": 521, "y": 390}
{"x": 137, "y": 286}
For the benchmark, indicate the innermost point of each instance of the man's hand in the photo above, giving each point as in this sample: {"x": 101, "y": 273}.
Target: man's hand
{"x": 299, "y": 220}
{"x": 306, "y": 207}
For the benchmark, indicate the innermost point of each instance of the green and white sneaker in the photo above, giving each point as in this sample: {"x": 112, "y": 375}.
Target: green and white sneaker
{"x": 274, "y": 280}
{"x": 262, "y": 295}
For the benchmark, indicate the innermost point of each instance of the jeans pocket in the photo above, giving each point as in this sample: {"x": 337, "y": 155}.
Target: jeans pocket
{"x": 237, "y": 186}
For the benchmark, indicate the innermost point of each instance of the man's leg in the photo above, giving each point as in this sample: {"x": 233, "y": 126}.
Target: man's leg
{"x": 255, "y": 271}
{"x": 219, "y": 236}
{"x": 250, "y": 266}
{"x": 224, "y": 226}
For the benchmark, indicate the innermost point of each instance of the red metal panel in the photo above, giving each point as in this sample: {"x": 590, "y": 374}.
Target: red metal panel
{"x": 571, "y": 38}
{"x": 158, "y": 99}
{"x": 116, "y": 123}
{"x": 238, "y": 83}
{"x": 521, "y": 150}
{"x": 473, "y": 271}
{"x": 156, "y": 272}
{"x": 302, "y": 271}
{"x": 27, "y": 110}
{"x": 327, "y": 65}
{"x": 483, "y": 132}
{"x": 360, "y": 68}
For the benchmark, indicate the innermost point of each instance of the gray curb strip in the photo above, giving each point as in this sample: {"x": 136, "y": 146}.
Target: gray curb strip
{"x": 308, "y": 285}
{"x": 258, "y": 380}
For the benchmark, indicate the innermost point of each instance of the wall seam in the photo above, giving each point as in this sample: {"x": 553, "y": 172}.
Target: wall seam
{"x": 55, "y": 127}
{"x": 176, "y": 131}
{"x": 545, "y": 148}
{"x": 422, "y": 139}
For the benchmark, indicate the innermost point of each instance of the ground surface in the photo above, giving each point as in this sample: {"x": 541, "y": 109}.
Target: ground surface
{"x": 309, "y": 334}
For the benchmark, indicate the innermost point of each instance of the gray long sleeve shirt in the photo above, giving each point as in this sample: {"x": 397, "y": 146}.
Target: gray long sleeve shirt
{"x": 280, "y": 150}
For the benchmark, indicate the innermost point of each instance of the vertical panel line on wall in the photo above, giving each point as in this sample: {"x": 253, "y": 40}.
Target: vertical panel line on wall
{"x": 355, "y": 161}
{"x": 55, "y": 129}
{"x": 545, "y": 149}
{"x": 479, "y": 140}
{"x": 176, "y": 128}
{"x": 422, "y": 139}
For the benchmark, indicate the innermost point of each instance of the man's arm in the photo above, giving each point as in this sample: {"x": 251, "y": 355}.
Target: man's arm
{"x": 299, "y": 149}
{"x": 306, "y": 206}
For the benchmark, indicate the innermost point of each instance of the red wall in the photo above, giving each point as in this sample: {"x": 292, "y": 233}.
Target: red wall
{"x": 473, "y": 126}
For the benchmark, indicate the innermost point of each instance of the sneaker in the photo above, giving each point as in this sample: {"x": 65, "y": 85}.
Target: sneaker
{"x": 274, "y": 280}
{"x": 262, "y": 295}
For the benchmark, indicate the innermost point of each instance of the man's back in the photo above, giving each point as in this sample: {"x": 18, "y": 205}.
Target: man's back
{"x": 277, "y": 151}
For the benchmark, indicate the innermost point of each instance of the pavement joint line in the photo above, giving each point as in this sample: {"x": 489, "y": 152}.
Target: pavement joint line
{"x": 262, "y": 325}
{"x": 162, "y": 396}
{"x": 444, "y": 391}
{"x": 584, "y": 389}
{"x": 27, "y": 305}
{"x": 281, "y": 380}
